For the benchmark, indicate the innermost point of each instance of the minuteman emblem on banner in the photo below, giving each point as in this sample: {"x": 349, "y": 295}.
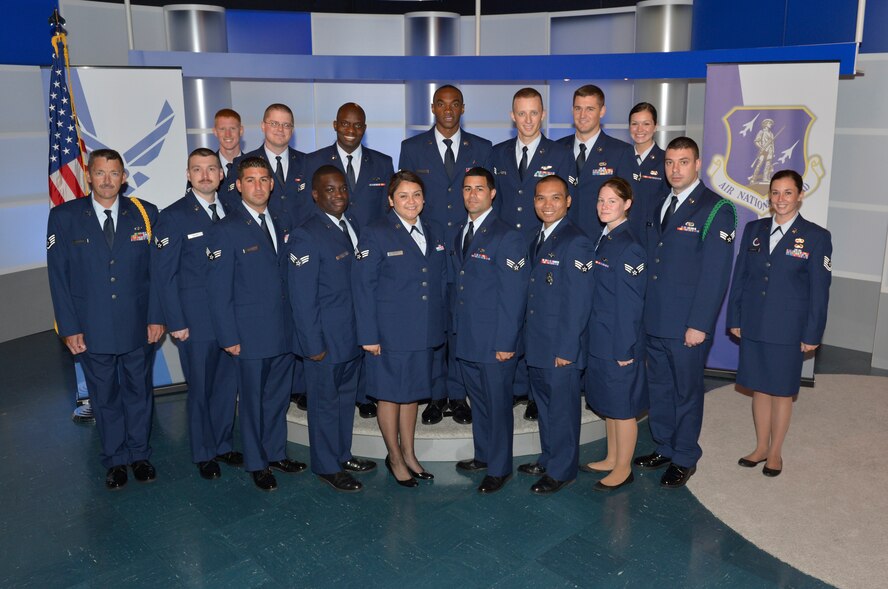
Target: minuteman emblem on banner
{"x": 761, "y": 141}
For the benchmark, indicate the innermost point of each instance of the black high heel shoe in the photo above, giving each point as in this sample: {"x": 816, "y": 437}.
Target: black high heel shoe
{"x": 411, "y": 482}
{"x": 423, "y": 476}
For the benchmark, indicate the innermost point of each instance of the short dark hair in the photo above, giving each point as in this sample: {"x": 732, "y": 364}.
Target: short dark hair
{"x": 684, "y": 143}
{"x": 527, "y": 93}
{"x": 252, "y": 162}
{"x": 448, "y": 87}
{"x": 323, "y": 171}
{"x": 204, "y": 152}
{"x": 795, "y": 176}
{"x": 108, "y": 154}
{"x": 355, "y": 105}
{"x": 402, "y": 176}
{"x": 484, "y": 173}
{"x": 644, "y": 107}
{"x": 553, "y": 178}
{"x": 227, "y": 112}
{"x": 590, "y": 90}
{"x": 278, "y": 106}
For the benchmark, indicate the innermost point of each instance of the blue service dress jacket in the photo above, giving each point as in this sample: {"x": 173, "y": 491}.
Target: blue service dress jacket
{"x": 649, "y": 187}
{"x": 688, "y": 265}
{"x": 180, "y": 267}
{"x": 247, "y": 285}
{"x": 368, "y": 200}
{"x": 399, "y": 291}
{"x": 490, "y": 292}
{"x": 104, "y": 293}
{"x": 559, "y": 297}
{"x": 608, "y": 158}
{"x": 291, "y": 195}
{"x": 514, "y": 196}
{"x": 320, "y": 258}
{"x": 443, "y": 194}
{"x": 781, "y": 297}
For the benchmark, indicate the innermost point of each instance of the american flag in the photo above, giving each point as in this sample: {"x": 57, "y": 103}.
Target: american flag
{"x": 66, "y": 170}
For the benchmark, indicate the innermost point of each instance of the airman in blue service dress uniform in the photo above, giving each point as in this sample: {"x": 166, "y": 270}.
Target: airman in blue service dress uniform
{"x": 320, "y": 253}
{"x": 689, "y": 250}
{"x": 490, "y": 269}
{"x": 180, "y": 270}
{"x": 400, "y": 284}
{"x": 777, "y": 307}
{"x": 440, "y": 157}
{"x": 98, "y": 253}
{"x": 249, "y": 306}
{"x": 615, "y": 375}
{"x": 598, "y": 157}
{"x": 649, "y": 185}
{"x": 558, "y": 307}
{"x": 518, "y": 164}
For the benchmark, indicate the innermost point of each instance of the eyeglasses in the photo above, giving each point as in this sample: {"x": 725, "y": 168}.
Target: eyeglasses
{"x": 277, "y": 125}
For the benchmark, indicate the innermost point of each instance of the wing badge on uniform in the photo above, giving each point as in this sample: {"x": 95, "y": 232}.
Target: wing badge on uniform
{"x": 729, "y": 237}
{"x": 214, "y": 255}
{"x": 516, "y": 266}
{"x": 162, "y": 243}
{"x": 50, "y": 241}
{"x": 634, "y": 271}
{"x": 584, "y": 267}
{"x": 297, "y": 261}
{"x": 827, "y": 263}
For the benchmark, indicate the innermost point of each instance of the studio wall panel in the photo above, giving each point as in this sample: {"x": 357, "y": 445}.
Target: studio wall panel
{"x": 367, "y": 34}
{"x": 27, "y": 306}
{"x": 853, "y": 308}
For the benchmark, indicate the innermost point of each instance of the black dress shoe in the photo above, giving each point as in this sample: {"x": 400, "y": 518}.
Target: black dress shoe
{"x": 231, "y": 458}
{"x": 300, "y": 400}
{"x": 492, "y": 484}
{"x": 651, "y": 461}
{"x": 358, "y": 465}
{"x": 547, "y": 485}
{"x": 209, "y": 469}
{"x": 471, "y": 465}
{"x": 462, "y": 413}
{"x": 434, "y": 412}
{"x": 342, "y": 481}
{"x": 423, "y": 476}
{"x": 519, "y": 400}
{"x": 532, "y": 468}
{"x": 772, "y": 472}
{"x": 750, "y": 463}
{"x": 677, "y": 476}
{"x": 587, "y": 468}
{"x": 143, "y": 471}
{"x": 115, "y": 478}
{"x": 599, "y": 486}
{"x": 410, "y": 483}
{"x": 531, "y": 413}
{"x": 366, "y": 410}
{"x": 287, "y": 465}
{"x": 264, "y": 479}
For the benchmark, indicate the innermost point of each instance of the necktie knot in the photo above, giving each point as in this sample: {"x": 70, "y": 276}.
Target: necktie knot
{"x": 449, "y": 158}
{"x": 279, "y": 168}
{"x": 522, "y": 166}
{"x": 108, "y": 228}
{"x": 213, "y": 214}
{"x": 350, "y": 175}
{"x": 448, "y": 142}
{"x": 581, "y": 158}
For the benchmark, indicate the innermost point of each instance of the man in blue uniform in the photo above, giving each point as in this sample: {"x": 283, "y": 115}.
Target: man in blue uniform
{"x": 250, "y": 310}
{"x": 689, "y": 250}
{"x": 558, "y": 307}
{"x": 518, "y": 164}
{"x": 598, "y": 157}
{"x": 98, "y": 255}
{"x": 489, "y": 263}
{"x": 180, "y": 271}
{"x": 441, "y": 156}
{"x": 229, "y": 130}
{"x": 321, "y": 252}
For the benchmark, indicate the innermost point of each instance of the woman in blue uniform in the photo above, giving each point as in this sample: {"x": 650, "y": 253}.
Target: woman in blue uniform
{"x": 615, "y": 377}
{"x": 777, "y": 307}
{"x": 649, "y": 173}
{"x": 398, "y": 283}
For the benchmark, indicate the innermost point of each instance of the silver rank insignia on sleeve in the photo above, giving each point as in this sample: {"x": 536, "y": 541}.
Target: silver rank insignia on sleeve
{"x": 516, "y": 266}
{"x": 634, "y": 271}
{"x": 827, "y": 263}
{"x": 360, "y": 255}
{"x": 214, "y": 255}
{"x": 299, "y": 261}
{"x": 729, "y": 237}
{"x": 573, "y": 181}
{"x": 161, "y": 243}
{"x": 584, "y": 267}
{"x": 50, "y": 241}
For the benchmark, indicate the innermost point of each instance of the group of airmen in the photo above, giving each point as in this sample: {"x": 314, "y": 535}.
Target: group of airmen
{"x": 260, "y": 274}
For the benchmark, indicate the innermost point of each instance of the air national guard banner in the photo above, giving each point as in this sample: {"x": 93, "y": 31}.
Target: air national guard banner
{"x": 761, "y": 119}
{"x": 140, "y": 112}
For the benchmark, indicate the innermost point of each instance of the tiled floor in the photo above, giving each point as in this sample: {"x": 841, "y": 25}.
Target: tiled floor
{"x": 60, "y": 528}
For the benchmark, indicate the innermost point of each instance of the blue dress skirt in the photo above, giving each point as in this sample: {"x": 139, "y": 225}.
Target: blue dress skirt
{"x": 775, "y": 369}
{"x": 618, "y": 392}
{"x": 399, "y": 377}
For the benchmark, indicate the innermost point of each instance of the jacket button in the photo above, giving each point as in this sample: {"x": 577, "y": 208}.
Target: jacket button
{"x": 763, "y": 293}
{"x": 113, "y": 279}
{"x": 767, "y": 264}
{"x": 461, "y": 272}
{"x": 425, "y": 298}
{"x": 425, "y": 283}
{"x": 520, "y": 209}
{"x": 425, "y": 269}
{"x": 449, "y": 206}
{"x": 533, "y": 279}
{"x": 660, "y": 244}
{"x": 531, "y": 311}
{"x": 657, "y": 260}
{"x": 654, "y": 277}
{"x": 766, "y": 278}
{"x": 111, "y": 262}
{"x": 520, "y": 191}
{"x": 114, "y": 296}
{"x": 461, "y": 287}
{"x": 449, "y": 224}
{"x": 518, "y": 226}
